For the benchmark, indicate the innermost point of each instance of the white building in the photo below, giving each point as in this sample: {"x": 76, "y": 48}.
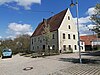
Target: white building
{"x": 82, "y": 46}
{"x": 64, "y": 34}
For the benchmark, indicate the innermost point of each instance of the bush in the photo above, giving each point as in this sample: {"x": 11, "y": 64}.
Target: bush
{"x": 0, "y": 53}
{"x": 34, "y": 55}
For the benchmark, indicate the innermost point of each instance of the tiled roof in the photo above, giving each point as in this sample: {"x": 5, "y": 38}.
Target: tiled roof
{"x": 88, "y": 39}
{"x": 54, "y": 22}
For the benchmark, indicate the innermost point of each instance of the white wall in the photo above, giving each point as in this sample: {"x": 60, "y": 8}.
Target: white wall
{"x": 65, "y": 29}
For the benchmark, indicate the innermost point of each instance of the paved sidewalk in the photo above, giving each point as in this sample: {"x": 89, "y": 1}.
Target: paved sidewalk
{"x": 79, "y": 70}
{"x": 64, "y": 64}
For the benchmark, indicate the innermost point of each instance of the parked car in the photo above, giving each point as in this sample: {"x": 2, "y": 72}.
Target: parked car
{"x": 7, "y": 53}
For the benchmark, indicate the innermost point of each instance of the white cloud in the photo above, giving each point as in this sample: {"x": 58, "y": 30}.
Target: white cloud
{"x": 15, "y": 28}
{"x": 13, "y": 7}
{"x": 0, "y": 37}
{"x": 91, "y": 11}
{"x": 25, "y": 3}
{"x": 85, "y": 23}
{"x": 10, "y": 37}
{"x": 91, "y": 26}
{"x": 83, "y": 20}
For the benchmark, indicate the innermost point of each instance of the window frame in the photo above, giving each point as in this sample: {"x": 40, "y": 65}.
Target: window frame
{"x": 75, "y": 47}
{"x": 64, "y": 47}
{"x": 64, "y": 37}
{"x": 69, "y": 27}
{"x": 68, "y": 17}
{"x": 74, "y": 37}
{"x": 69, "y": 37}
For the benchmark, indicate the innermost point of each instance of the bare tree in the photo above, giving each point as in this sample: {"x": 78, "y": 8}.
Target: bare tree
{"x": 47, "y": 35}
{"x": 95, "y": 18}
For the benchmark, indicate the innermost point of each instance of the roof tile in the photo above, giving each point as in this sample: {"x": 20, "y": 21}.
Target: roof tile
{"x": 54, "y": 22}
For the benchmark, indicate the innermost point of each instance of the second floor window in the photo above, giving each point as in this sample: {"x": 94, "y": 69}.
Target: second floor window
{"x": 73, "y": 36}
{"x": 63, "y": 35}
{"x": 53, "y": 36}
{"x": 34, "y": 39}
{"x": 38, "y": 38}
{"x": 68, "y": 36}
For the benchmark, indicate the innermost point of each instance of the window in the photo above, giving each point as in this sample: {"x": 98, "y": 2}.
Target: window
{"x": 73, "y": 36}
{"x": 82, "y": 47}
{"x": 63, "y": 35}
{"x": 75, "y": 47}
{"x": 53, "y": 36}
{"x": 34, "y": 39}
{"x": 48, "y": 47}
{"x": 69, "y": 47}
{"x": 64, "y": 47}
{"x": 37, "y": 47}
{"x": 69, "y": 27}
{"x": 33, "y": 47}
{"x": 53, "y": 47}
{"x": 43, "y": 47}
{"x": 43, "y": 38}
{"x": 81, "y": 43}
{"x": 40, "y": 41}
{"x": 68, "y": 36}
{"x": 68, "y": 17}
{"x": 38, "y": 38}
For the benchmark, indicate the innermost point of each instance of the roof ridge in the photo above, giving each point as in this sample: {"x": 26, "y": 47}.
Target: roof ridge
{"x": 54, "y": 22}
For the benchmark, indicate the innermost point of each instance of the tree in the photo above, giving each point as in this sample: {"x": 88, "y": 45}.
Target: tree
{"x": 95, "y": 18}
{"x": 47, "y": 34}
{"x": 23, "y": 42}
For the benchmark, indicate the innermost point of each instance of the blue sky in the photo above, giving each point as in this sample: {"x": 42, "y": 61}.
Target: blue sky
{"x": 23, "y": 16}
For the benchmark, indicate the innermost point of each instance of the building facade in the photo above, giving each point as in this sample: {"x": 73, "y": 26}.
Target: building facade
{"x": 63, "y": 31}
{"x": 91, "y": 42}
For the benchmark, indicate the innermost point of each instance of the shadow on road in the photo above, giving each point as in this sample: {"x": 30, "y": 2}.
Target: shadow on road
{"x": 97, "y": 53}
{"x": 84, "y": 61}
{"x": 93, "y": 60}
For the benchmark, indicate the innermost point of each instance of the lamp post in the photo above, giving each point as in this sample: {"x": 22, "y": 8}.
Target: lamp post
{"x": 77, "y": 15}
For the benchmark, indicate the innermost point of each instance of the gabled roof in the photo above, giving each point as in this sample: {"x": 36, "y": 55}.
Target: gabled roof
{"x": 88, "y": 39}
{"x": 54, "y": 22}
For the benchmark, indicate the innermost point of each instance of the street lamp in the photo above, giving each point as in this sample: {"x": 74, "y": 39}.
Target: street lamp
{"x": 72, "y": 4}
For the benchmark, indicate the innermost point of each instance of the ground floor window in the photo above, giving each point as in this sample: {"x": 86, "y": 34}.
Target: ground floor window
{"x": 37, "y": 47}
{"x": 75, "y": 47}
{"x": 69, "y": 46}
{"x": 48, "y": 47}
{"x": 43, "y": 47}
{"x": 64, "y": 47}
{"x": 81, "y": 47}
{"x": 53, "y": 47}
